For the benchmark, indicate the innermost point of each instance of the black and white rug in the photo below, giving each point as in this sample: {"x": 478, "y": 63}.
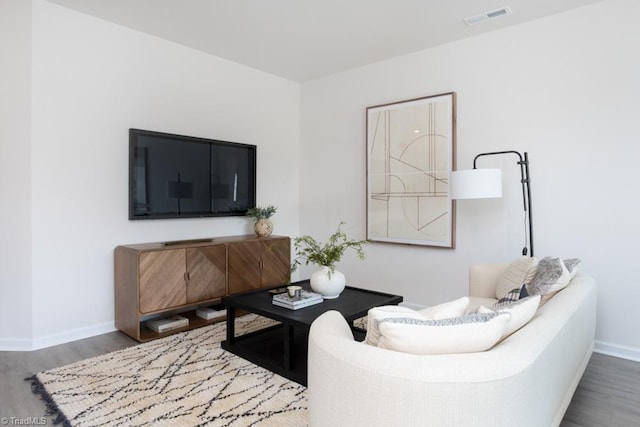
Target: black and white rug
{"x": 182, "y": 380}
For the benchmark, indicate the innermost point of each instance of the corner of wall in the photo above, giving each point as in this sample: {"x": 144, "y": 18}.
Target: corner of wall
{"x": 16, "y": 310}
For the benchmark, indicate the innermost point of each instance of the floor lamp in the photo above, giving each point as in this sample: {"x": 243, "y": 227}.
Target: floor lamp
{"x": 487, "y": 183}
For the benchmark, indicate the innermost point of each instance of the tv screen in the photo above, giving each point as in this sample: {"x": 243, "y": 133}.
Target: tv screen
{"x": 175, "y": 176}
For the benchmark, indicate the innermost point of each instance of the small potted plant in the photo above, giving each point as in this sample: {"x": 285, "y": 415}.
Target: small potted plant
{"x": 262, "y": 224}
{"x": 327, "y": 281}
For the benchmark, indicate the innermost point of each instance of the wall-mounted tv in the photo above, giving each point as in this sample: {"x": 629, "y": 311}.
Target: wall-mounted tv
{"x": 176, "y": 176}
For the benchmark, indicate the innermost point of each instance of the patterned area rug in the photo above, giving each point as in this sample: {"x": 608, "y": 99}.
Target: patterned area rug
{"x": 182, "y": 380}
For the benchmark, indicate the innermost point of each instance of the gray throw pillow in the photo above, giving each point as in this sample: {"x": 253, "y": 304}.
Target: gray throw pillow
{"x": 551, "y": 276}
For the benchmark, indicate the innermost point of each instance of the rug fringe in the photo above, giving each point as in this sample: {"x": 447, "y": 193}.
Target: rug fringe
{"x": 52, "y": 409}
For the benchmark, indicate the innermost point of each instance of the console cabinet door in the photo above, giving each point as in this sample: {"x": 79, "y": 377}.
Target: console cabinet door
{"x": 206, "y": 272}
{"x": 161, "y": 278}
{"x": 244, "y": 266}
{"x": 276, "y": 262}
{"x": 258, "y": 264}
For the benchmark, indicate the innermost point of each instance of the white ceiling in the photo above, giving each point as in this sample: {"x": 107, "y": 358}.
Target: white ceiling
{"x": 305, "y": 39}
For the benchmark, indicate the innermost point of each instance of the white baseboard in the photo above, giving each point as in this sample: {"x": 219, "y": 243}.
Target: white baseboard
{"x": 73, "y": 335}
{"x": 56, "y": 339}
{"x": 15, "y": 345}
{"x": 616, "y": 350}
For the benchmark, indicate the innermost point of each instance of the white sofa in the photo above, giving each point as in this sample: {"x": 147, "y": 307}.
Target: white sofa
{"x": 526, "y": 380}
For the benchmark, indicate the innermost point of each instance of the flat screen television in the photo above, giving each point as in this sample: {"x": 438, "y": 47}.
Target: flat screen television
{"x": 176, "y": 176}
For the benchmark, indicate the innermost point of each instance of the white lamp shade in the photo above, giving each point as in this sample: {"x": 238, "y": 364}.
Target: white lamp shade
{"x": 476, "y": 184}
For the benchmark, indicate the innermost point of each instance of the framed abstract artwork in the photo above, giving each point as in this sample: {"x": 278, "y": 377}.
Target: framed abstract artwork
{"x": 410, "y": 153}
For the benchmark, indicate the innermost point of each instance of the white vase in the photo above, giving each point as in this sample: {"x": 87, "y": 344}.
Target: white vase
{"x": 327, "y": 284}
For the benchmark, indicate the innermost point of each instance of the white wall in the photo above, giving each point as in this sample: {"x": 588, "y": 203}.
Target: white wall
{"x": 565, "y": 89}
{"x": 15, "y": 173}
{"x": 91, "y": 81}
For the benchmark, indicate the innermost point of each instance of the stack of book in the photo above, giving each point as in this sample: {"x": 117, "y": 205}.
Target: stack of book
{"x": 168, "y": 323}
{"x": 209, "y": 313}
{"x": 306, "y": 299}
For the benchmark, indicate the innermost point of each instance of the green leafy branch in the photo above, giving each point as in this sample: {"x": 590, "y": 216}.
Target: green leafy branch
{"x": 309, "y": 250}
{"x": 261, "y": 213}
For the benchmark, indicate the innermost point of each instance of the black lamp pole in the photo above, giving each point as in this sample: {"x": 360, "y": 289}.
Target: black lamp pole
{"x": 525, "y": 179}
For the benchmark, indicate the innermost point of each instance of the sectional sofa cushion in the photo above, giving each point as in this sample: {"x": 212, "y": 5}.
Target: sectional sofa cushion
{"x": 383, "y": 312}
{"x": 521, "y": 312}
{"x": 453, "y": 308}
{"x": 572, "y": 266}
{"x": 520, "y": 271}
{"x": 552, "y": 275}
{"x": 514, "y": 295}
{"x": 446, "y": 310}
{"x": 466, "y": 334}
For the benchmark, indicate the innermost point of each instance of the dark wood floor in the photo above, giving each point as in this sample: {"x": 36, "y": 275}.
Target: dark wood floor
{"x": 608, "y": 395}
{"x": 16, "y": 398}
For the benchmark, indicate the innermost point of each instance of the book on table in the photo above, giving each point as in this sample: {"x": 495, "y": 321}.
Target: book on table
{"x": 306, "y": 299}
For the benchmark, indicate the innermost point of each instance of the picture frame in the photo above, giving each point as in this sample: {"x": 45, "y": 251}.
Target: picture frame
{"x": 411, "y": 150}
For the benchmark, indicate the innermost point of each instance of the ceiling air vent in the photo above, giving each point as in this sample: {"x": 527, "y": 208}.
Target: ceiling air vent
{"x": 476, "y": 19}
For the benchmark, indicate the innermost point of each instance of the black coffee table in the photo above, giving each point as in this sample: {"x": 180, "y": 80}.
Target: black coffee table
{"x": 283, "y": 348}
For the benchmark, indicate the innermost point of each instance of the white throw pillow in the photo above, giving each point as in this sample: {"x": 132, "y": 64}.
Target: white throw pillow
{"x": 519, "y": 272}
{"x": 386, "y": 311}
{"x": 466, "y": 334}
{"x": 455, "y": 308}
{"x": 521, "y": 312}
